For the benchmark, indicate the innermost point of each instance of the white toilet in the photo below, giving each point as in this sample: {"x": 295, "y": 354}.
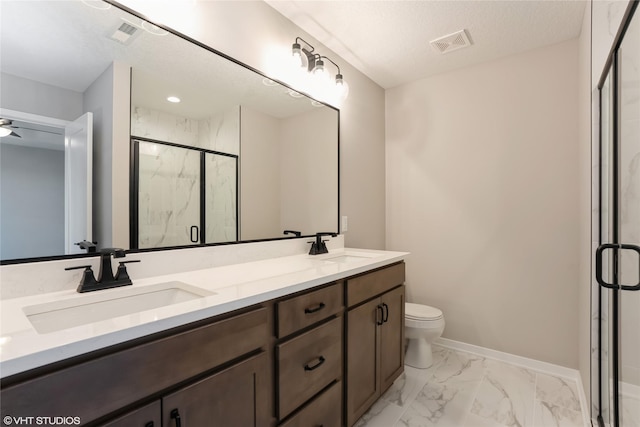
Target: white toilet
{"x": 423, "y": 325}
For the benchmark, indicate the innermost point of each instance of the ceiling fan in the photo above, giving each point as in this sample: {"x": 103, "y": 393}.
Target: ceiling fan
{"x": 6, "y": 128}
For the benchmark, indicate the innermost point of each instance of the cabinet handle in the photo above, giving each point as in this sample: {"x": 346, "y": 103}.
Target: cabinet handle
{"x": 149, "y": 424}
{"x": 315, "y": 309}
{"x": 175, "y": 415}
{"x": 386, "y": 312}
{"x": 380, "y": 318}
{"x": 321, "y": 360}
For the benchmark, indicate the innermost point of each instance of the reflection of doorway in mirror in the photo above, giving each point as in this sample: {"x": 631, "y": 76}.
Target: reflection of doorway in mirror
{"x": 45, "y": 194}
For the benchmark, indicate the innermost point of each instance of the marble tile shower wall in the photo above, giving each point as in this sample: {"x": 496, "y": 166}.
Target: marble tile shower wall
{"x": 169, "y": 201}
{"x": 466, "y": 390}
{"x": 220, "y": 132}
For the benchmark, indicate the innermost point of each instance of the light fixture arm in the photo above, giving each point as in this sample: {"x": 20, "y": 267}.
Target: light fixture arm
{"x": 307, "y": 44}
{"x": 328, "y": 59}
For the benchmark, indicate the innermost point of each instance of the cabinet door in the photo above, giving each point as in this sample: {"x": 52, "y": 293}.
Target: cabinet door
{"x": 236, "y": 396}
{"x": 146, "y": 416}
{"x": 392, "y": 337}
{"x": 363, "y": 381}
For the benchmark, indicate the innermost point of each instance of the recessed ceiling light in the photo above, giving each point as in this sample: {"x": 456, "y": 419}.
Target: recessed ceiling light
{"x": 173, "y": 99}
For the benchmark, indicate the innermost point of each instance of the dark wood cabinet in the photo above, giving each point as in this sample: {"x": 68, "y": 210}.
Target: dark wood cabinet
{"x": 310, "y": 358}
{"x": 325, "y": 410}
{"x": 146, "y": 416}
{"x": 236, "y": 396}
{"x": 375, "y": 338}
{"x": 363, "y": 341}
{"x": 144, "y": 368}
{"x": 300, "y": 360}
{"x": 392, "y": 337}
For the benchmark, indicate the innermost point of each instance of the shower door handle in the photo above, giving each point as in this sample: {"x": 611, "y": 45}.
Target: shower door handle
{"x": 196, "y": 239}
{"x": 599, "y": 256}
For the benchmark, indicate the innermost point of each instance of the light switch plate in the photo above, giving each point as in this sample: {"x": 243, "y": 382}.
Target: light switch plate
{"x": 345, "y": 224}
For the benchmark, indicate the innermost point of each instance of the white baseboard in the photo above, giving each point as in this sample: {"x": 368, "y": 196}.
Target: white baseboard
{"x": 525, "y": 362}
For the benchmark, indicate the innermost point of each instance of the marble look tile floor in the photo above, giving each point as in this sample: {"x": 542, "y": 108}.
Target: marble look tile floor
{"x": 466, "y": 390}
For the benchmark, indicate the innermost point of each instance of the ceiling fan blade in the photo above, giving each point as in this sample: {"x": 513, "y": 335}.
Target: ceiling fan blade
{"x": 36, "y": 130}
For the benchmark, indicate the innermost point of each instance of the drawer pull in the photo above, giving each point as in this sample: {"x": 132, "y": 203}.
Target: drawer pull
{"x": 314, "y": 309}
{"x": 175, "y": 415}
{"x": 321, "y": 360}
{"x": 149, "y": 424}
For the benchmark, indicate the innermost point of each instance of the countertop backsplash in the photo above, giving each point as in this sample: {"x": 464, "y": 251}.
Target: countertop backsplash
{"x": 21, "y": 280}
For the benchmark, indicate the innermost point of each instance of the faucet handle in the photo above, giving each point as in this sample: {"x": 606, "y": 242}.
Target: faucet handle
{"x": 88, "y": 280}
{"x": 122, "y": 275}
{"x": 87, "y": 267}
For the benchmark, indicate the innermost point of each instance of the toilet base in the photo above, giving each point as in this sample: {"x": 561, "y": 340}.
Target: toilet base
{"x": 419, "y": 354}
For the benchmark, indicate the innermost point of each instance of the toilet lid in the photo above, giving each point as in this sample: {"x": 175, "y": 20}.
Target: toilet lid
{"x": 420, "y": 311}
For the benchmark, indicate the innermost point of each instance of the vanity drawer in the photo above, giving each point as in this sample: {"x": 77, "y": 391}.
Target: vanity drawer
{"x": 129, "y": 375}
{"x": 325, "y": 410}
{"x": 304, "y": 310}
{"x": 307, "y": 364}
{"x": 369, "y": 285}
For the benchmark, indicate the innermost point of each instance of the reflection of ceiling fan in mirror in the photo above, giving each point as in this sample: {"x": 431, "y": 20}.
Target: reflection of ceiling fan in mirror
{"x": 6, "y": 128}
{"x": 32, "y": 133}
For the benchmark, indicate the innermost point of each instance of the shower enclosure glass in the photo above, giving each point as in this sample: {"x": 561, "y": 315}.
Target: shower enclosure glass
{"x": 183, "y": 196}
{"x": 617, "y": 397}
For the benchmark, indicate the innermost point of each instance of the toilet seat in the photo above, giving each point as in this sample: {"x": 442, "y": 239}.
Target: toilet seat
{"x": 420, "y": 312}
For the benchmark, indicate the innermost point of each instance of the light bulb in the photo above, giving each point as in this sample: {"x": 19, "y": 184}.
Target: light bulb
{"x": 342, "y": 87}
{"x": 4, "y": 131}
{"x": 296, "y": 54}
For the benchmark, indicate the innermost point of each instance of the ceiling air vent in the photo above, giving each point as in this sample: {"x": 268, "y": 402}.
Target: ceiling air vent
{"x": 451, "y": 42}
{"x": 124, "y": 34}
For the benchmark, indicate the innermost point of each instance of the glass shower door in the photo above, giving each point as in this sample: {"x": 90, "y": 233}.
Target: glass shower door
{"x": 168, "y": 196}
{"x": 629, "y": 225}
{"x": 618, "y": 256}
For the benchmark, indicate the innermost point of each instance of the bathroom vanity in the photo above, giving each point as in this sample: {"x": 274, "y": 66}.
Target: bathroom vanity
{"x": 316, "y": 346}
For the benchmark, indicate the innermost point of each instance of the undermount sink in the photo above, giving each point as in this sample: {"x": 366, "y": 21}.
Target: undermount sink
{"x": 351, "y": 257}
{"x": 109, "y": 304}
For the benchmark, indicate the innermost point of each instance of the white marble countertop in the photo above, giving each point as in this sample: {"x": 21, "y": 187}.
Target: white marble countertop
{"x": 233, "y": 287}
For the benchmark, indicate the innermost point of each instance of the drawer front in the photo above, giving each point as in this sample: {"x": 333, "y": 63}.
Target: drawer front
{"x": 307, "y": 364}
{"x": 147, "y": 416}
{"x": 305, "y": 310}
{"x": 129, "y": 375}
{"x": 369, "y": 285}
{"x": 325, "y": 410}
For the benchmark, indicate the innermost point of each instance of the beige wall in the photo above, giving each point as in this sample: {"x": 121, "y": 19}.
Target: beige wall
{"x": 254, "y": 33}
{"x": 482, "y": 189}
{"x": 259, "y": 176}
{"x": 308, "y": 174}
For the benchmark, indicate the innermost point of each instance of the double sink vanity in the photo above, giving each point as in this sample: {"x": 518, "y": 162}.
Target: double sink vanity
{"x": 223, "y": 334}
{"x": 294, "y": 341}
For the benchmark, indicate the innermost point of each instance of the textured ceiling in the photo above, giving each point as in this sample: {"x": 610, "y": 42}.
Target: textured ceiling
{"x": 389, "y": 40}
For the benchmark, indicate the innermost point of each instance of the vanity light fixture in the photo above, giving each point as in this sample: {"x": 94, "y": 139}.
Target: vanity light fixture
{"x": 173, "y": 99}
{"x": 304, "y": 56}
